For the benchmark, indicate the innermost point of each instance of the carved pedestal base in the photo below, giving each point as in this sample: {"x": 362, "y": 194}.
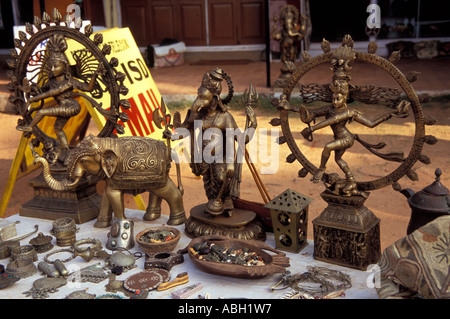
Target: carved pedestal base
{"x": 82, "y": 204}
{"x": 241, "y": 224}
{"x": 347, "y": 233}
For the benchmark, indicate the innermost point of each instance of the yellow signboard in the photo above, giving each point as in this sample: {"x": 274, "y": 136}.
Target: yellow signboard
{"x": 143, "y": 95}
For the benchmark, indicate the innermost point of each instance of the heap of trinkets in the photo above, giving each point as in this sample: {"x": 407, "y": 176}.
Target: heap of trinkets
{"x": 157, "y": 236}
{"x": 222, "y": 254}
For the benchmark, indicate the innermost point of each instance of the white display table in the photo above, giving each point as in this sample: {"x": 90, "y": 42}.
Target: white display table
{"x": 216, "y": 286}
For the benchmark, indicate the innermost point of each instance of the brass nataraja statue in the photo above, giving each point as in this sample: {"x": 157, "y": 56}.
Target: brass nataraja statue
{"x": 346, "y": 232}
{"x": 44, "y": 84}
{"x": 222, "y": 172}
{"x": 60, "y": 86}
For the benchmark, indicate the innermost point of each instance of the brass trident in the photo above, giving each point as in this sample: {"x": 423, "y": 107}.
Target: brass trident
{"x": 249, "y": 97}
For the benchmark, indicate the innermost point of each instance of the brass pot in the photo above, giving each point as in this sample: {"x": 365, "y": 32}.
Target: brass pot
{"x": 428, "y": 204}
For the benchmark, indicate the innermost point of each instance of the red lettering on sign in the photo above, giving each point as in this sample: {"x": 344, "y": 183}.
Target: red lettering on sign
{"x": 136, "y": 123}
{"x": 148, "y": 110}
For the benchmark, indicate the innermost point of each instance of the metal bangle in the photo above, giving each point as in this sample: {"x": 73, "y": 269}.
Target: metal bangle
{"x": 96, "y": 245}
{"x": 24, "y": 252}
{"x": 63, "y": 224}
{"x": 64, "y": 250}
{"x": 21, "y": 268}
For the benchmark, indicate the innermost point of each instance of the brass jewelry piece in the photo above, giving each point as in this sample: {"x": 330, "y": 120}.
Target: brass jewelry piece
{"x": 87, "y": 253}
{"x": 42, "y": 243}
{"x": 7, "y": 229}
{"x": 7, "y": 280}
{"x": 21, "y": 268}
{"x": 121, "y": 234}
{"x": 43, "y": 286}
{"x": 120, "y": 259}
{"x": 7, "y": 246}
{"x": 93, "y": 273}
{"x": 80, "y": 294}
{"x": 316, "y": 282}
{"x": 65, "y": 238}
{"x": 24, "y": 252}
{"x": 145, "y": 280}
{"x": 63, "y": 224}
{"x": 64, "y": 250}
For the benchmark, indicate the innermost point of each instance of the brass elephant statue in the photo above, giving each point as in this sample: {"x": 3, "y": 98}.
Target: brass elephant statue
{"x": 128, "y": 165}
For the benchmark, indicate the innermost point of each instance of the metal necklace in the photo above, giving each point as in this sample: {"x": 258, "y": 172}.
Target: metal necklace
{"x": 317, "y": 282}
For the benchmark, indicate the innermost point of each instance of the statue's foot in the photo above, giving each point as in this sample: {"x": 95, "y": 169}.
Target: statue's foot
{"x": 215, "y": 207}
{"x": 24, "y": 128}
{"x": 177, "y": 219}
{"x": 152, "y": 214}
{"x": 317, "y": 177}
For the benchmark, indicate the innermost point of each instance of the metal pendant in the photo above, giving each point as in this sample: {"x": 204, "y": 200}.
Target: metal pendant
{"x": 120, "y": 259}
{"x": 41, "y": 243}
{"x": 80, "y": 294}
{"x": 145, "y": 280}
{"x": 94, "y": 274}
{"x": 42, "y": 287}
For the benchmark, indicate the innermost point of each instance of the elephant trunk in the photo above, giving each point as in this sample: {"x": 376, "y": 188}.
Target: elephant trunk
{"x": 53, "y": 183}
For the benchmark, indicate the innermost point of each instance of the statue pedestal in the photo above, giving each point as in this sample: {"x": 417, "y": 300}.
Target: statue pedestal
{"x": 347, "y": 233}
{"x": 82, "y": 204}
{"x": 241, "y": 224}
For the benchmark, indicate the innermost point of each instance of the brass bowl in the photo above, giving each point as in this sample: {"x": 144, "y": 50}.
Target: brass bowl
{"x": 158, "y": 247}
{"x": 276, "y": 262}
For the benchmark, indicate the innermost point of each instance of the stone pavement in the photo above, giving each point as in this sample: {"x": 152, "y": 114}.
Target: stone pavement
{"x": 185, "y": 79}
{"x": 181, "y": 82}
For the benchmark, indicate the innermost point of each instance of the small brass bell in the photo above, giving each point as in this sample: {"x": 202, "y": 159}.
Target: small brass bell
{"x": 428, "y": 204}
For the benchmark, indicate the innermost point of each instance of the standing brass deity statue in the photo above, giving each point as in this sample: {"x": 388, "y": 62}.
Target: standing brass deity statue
{"x": 291, "y": 31}
{"x": 44, "y": 84}
{"x": 346, "y": 232}
{"x": 213, "y": 156}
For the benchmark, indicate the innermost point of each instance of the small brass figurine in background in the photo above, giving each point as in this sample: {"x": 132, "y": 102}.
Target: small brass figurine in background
{"x": 291, "y": 32}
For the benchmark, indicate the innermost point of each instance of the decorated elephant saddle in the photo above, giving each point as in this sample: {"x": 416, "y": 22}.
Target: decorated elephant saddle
{"x": 137, "y": 162}
{"x": 130, "y": 163}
